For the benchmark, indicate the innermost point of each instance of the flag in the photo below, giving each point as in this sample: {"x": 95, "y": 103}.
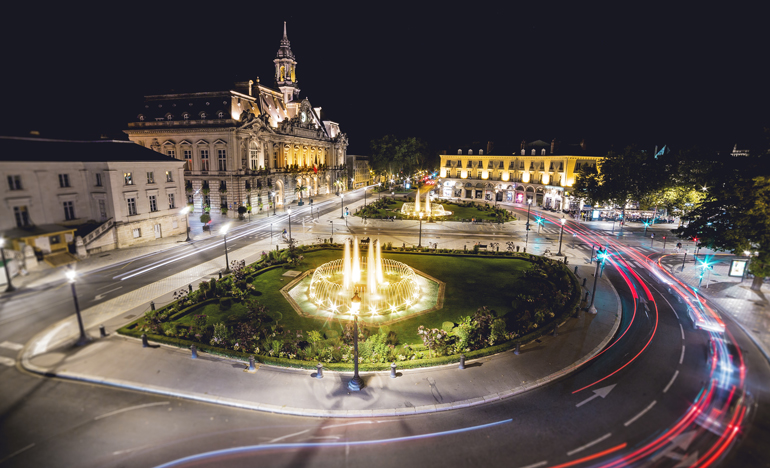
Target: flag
{"x": 315, "y": 168}
{"x": 662, "y": 151}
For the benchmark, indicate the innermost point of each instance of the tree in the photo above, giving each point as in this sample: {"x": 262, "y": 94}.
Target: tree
{"x": 734, "y": 215}
{"x": 299, "y": 189}
{"x": 390, "y": 155}
{"x": 622, "y": 177}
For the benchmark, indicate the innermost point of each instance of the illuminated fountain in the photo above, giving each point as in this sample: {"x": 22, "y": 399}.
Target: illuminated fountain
{"x": 414, "y": 209}
{"x": 385, "y": 286}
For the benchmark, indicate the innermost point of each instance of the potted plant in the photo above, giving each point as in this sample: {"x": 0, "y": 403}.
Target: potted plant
{"x": 205, "y": 219}
{"x": 224, "y": 210}
{"x": 205, "y": 190}
{"x": 242, "y": 210}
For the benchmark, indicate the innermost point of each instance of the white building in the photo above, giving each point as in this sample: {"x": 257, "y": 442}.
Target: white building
{"x": 112, "y": 193}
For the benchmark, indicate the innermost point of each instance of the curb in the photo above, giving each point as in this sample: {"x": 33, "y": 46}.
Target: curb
{"x": 287, "y": 410}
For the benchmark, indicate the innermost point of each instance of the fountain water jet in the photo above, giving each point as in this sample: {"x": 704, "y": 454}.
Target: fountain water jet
{"x": 356, "y": 262}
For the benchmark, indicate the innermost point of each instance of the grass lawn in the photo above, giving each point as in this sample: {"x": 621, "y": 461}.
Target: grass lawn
{"x": 472, "y": 282}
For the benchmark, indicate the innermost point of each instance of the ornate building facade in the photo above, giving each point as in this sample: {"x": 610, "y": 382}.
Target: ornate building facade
{"x": 249, "y": 146}
{"x": 538, "y": 171}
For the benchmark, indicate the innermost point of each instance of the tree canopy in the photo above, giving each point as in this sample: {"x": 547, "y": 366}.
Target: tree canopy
{"x": 391, "y": 155}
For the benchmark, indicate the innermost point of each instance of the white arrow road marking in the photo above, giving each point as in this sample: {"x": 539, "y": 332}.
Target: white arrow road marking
{"x": 101, "y": 296}
{"x": 7, "y": 361}
{"x": 688, "y": 461}
{"x": 10, "y": 345}
{"x": 682, "y": 441}
{"x": 599, "y": 392}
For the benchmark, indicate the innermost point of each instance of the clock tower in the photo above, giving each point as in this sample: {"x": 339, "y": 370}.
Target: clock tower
{"x": 285, "y": 70}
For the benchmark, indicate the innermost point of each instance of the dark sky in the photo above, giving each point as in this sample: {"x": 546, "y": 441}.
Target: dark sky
{"x": 485, "y": 71}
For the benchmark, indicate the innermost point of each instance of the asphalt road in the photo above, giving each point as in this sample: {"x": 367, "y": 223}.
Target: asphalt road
{"x": 626, "y": 399}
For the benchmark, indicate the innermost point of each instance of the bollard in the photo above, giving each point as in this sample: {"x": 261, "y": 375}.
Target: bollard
{"x": 585, "y": 299}
{"x": 518, "y": 349}
{"x": 145, "y": 344}
{"x": 393, "y": 370}
{"x": 576, "y": 269}
{"x": 525, "y": 250}
{"x": 220, "y": 275}
{"x": 152, "y": 305}
{"x": 102, "y": 332}
{"x": 584, "y": 281}
{"x": 465, "y": 247}
{"x": 462, "y": 361}
{"x": 194, "y": 352}
{"x": 556, "y": 330}
{"x": 320, "y": 371}
{"x": 189, "y": 286}
{"x": 517, "y": 248}
{"x": 252, "y": 367}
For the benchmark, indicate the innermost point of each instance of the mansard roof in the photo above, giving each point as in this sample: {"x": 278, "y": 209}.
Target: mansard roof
{"x": 40, "y": 149}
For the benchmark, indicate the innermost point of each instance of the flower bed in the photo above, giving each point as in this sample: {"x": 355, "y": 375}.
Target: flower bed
{"x": 238, "y": 316}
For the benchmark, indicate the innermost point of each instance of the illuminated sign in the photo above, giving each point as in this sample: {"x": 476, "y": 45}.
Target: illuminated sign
{"x": 738, "y": 268}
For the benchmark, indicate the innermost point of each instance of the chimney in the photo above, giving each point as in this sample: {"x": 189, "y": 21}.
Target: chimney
{"x": 553, "y": 146}
{"x": 523, "y": 144}
{"x": 490, "y": 146}
{"x": 443, "y": 151}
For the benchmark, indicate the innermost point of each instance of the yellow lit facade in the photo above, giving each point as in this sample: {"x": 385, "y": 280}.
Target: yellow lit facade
{"x": 544, "y": 178}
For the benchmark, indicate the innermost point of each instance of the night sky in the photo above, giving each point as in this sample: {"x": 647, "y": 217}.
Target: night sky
{"x": 452, "y": 76}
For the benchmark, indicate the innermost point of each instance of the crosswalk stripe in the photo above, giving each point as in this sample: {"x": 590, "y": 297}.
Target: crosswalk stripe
{"x": 11, "y": 346}
{"x": 7, "y": 361}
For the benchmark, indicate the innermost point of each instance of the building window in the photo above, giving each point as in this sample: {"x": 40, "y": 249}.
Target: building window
{"x": 22, "y": 216}
{"x": 131, "y": 206}
{"x": 137, "y": 232}
{"x": 186, "y": 116}
{"x": 98, "y": 180}
{"x": 220, "y": 115}
{"x": 222, "y": 156}
{"x": 150, "y": 177}
{"x": 64, "y": 180}
{"x": 14, "y": 182}
{"x": 188, "y": 159}
{"x": 171, "y": 153}
{"x": 171, "y": 202}
{"x": 69, "y": 211}
{"x": 204, "y": 160}
{"x": 153, "y": 203}
{"x": 169, "y": 177}
{"x": 127, "y": 179}
{"x": 53, "y": 240}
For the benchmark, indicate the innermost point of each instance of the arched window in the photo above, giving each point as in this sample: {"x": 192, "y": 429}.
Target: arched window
{"x": 169, "y": 116}
{"x": 470, "y": 151}
{"x": 481, "y": 151}
{"x": 460, "y": 151}
{"x": 186, "y": 116}
{"x": 140, "y": 117}
{"x": 542, "y": 152}
{"x": 220, "y": 115}
{"x": 533, "y": 151}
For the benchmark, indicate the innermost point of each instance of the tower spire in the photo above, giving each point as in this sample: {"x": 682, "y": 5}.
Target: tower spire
{"x": 285, "y": 69}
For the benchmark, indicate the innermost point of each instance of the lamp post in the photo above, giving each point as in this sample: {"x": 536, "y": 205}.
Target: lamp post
{"x": 497, "y": 190}
{"x": 224, "y": 230}
{"x": 419, "y": 244}
{"x": 364, "y": 196}
{"x": 379, "y": 190}
{"x": 83, "y": 339}
{"x": 185, "y": 212}
{"x": 271, "y": 234}
{"x": 331, "y": 221}
{"x": 599, "y": 254}
{"x": 273, "y": 192}
{"x": 288, "y": 211}
{"x": 526, "y": 240}
{"x": 356, "y": 383}
{"x": 10, "y": 287}
{"x": 561, "y": 233}
{"x": 342, "y": 205}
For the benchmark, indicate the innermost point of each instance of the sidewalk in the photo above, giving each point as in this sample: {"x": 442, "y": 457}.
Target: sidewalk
{"x": 750, "y": 308}
{"x": 122, "y": 362}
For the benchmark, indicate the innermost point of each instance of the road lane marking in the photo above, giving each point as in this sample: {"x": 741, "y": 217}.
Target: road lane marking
{"x": 130, "y": 408}
{"x": 671, "y": 382}
{"x": 16, "y": 453}
{"x": 681, "y": 358}
{"x": 535, "y": 465}
{"x": 631, "y": 421}
{"x": 590, "y": 444}
{"x": 7, "y": 361}
{"x": 682, "y": 330}
{"x": 287, "y": 436}
{"x": 599, "y": 392}
{"x": 101, "y": 296}
{"x": 10, "y": 345}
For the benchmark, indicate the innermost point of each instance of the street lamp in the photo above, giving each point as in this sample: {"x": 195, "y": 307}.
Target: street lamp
{"x": 645, "y": 229}
{"x": 364, "y": 196}
{"x": 356, "y": 383}
{"x": 419, "y": 244}
{"x": 497, "y": 190}
{"x": 342, "y": 206}
{"x": 561, "y": 233}
{"x": 288, "y": 210}
{"x": 273, "y": 192}
{"x": 10, "y": 287}
{"x": 185, "y": 212}
{"x": 224, "y": 230}
{"x": 539, "y": 221}
{"x": 331, "y": 221}
{"x": 379, "y": 190}
{"x": 83, "y": 339}
{"x": 526, "y": 240}
{"x": 600, "y": 254}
